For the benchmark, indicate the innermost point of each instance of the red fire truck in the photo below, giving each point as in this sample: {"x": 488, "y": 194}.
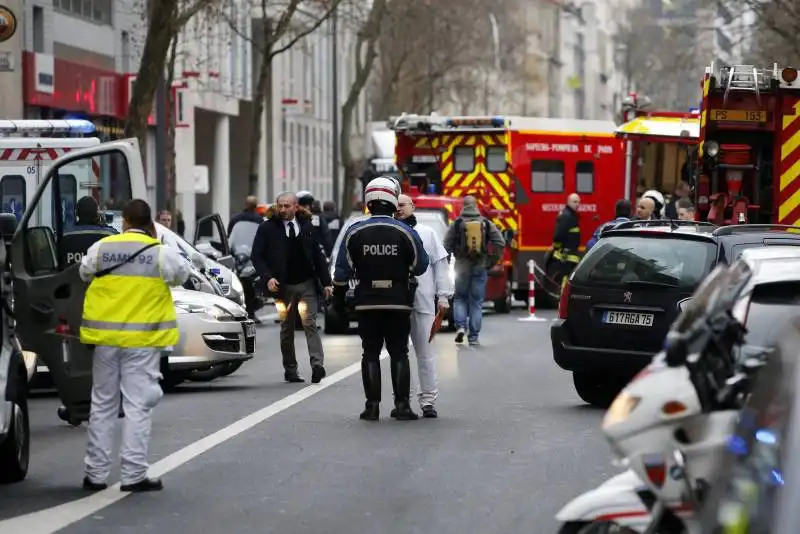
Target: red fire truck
{"x": 660, "y": 146}
{"x": 749, "y": 154}
{"x": 552, "y": 158}
{"x": 443, "y": 159}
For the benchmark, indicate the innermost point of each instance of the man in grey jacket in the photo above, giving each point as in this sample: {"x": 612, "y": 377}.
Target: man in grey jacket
{"x": 472, "y": 263}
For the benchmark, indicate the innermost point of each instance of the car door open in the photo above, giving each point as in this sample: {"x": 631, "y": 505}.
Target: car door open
{"x": 48, "y": 294}
{"x": 210, "y": 231}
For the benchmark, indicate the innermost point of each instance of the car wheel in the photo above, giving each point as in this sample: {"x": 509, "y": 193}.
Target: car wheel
{"x": 15, "y": 449}
{"x": 504, "y": 305}
{"x": 595, "y": 389}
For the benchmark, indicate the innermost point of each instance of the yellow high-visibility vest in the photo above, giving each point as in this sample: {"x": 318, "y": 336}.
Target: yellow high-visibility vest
{"x": 131, "y": 306}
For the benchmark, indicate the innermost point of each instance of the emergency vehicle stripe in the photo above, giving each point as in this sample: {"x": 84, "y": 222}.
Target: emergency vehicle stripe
{"x": 490, "y": 187}
{"x": 130, "y": 327}
{"x": 789, "y": 184}
{"x": 704, "y": 113}
{"x": 32, "y": 154}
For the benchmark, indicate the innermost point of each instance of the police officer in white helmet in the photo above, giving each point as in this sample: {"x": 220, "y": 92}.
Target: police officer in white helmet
{"x": 385, "y": 256}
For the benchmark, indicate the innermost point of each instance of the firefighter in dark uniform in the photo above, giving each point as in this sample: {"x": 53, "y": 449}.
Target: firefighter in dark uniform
{"x": 89, "y": 228}
{"x": 567, "y": 239}
{"x": 385, "y": 256}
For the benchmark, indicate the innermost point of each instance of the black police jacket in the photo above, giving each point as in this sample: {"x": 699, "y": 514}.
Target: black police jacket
{"x": 75, "y": 242}
{"x": 385, "y": 256}
{"x": 567, "y": 234}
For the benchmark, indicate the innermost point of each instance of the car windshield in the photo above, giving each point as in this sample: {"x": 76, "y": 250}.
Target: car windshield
{"x": 171, "y": 239}
{"x": 770, "y": 307}
{"x": 621, "y": 261}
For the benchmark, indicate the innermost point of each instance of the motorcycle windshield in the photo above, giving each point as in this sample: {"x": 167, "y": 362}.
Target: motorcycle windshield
{"x": 242, "y": 237}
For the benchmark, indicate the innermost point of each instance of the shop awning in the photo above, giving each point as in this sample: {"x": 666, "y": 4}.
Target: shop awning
{"x": 661, "y": 129}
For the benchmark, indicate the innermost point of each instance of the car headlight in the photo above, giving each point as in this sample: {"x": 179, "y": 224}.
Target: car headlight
{"x": 212, "y": 311}
{"x": 620, "y": 409}
{"x": 712, "y": 148}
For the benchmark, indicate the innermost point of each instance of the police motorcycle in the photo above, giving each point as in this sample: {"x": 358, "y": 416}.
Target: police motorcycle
{"x": 670, "y": 425}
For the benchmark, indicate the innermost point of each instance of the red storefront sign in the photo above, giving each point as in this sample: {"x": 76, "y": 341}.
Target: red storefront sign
{"x": 73, "y": 87}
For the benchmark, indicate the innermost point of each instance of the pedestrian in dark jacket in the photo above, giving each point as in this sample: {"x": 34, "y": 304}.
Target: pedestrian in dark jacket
{"x": 249, "y": 213}
{"x": 288, "y": 257}
{"x": 622, "y": 213}
{"x": 320, "y": 226}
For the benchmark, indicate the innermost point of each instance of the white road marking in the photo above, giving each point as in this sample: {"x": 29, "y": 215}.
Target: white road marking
{"x": 51, "y": 520}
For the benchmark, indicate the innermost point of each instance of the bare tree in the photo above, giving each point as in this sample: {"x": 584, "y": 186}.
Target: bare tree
{"x": 660, "y": 59}
{"x": 775, "y": 35}
{"x": 165, "y": 18}
{"x": 366, "y": 52}
{"x": 289, "y": 21}
{"x": 433, "y": 65}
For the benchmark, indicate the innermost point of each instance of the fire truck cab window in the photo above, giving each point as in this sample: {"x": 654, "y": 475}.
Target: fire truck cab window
{"x": 584, "y": 177}
{"x": 464, "y": 159}
{"x": 12, "y": 195}
{"x": 496, "y": 159}
{"x": 547, "y": 176}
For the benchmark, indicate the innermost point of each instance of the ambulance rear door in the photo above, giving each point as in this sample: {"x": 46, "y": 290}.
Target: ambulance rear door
{"x": 48, "y": 293}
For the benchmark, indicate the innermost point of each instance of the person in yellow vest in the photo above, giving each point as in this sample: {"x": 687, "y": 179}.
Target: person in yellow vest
{"x": 129, "y": 316}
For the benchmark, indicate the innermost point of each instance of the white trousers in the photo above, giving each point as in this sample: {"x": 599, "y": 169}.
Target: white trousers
{"x": 426, "y": 359}
{"x": 134, "y": 373}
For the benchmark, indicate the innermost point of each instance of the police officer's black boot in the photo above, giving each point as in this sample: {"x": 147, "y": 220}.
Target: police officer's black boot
{"x": 371, "y": 377}
{"x": 401, "y": 381}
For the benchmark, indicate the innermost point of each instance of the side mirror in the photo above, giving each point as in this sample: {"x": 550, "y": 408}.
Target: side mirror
{"x": 8, "y": 225}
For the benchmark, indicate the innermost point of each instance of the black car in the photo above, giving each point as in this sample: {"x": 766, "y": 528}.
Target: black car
{"x": 623, "y": 296}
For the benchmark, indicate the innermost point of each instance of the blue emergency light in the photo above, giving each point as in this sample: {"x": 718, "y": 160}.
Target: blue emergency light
{"x": 491, "y": 122}
{"x": 47, "y": 127}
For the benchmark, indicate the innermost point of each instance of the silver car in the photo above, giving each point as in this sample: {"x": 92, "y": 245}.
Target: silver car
{"x": 214, "y": 331}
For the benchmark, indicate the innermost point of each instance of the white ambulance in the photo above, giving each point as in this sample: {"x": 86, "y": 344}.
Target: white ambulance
{"x": 28, "y": 149}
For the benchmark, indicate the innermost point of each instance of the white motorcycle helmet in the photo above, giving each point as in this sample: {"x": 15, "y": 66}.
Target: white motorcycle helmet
{"x": 384, "y": 189}
{"x": 658, "y": 200}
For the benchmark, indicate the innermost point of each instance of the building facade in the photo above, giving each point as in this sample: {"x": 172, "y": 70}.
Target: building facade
{"x": 80, "y": 58}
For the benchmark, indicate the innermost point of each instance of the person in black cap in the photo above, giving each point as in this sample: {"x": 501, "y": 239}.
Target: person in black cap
{"x": 305, "y": 200}
{"x": 88, "y": 229}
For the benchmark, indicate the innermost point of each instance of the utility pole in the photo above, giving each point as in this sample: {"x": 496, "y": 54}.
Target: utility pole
{"x": 335, "y": 103}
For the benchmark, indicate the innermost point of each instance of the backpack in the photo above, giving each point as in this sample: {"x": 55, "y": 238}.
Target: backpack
{"x": 473, "y": 237}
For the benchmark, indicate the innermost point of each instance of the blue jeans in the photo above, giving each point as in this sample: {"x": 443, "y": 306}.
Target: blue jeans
{"x": 468, "y": 300}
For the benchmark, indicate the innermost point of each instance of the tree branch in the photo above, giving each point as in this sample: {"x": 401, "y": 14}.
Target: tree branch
{"x": 308, "y": 30}
{"x": 187, "y": 14}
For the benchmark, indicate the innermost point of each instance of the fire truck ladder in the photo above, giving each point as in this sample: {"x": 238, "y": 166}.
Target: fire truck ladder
{"x": 746, "y": 78}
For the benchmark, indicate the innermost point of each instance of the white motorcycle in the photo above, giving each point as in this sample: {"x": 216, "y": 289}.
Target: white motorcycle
{"x": 668, "y": 427}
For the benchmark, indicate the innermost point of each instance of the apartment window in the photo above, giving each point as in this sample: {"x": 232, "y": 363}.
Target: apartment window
{"x": 38, "y": 29}
{"x": 547, "y": 176}
{"x": 126, "y": 52}
{"x": 98, "y": 11}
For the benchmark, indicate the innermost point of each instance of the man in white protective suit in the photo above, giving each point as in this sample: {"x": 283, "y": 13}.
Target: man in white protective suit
{"x": 435, "y": 282}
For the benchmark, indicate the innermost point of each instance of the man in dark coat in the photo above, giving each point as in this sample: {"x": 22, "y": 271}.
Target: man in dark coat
{"x": 288, "y": 257}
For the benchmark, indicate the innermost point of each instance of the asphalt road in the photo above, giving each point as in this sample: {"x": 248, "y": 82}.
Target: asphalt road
{"x": 512, "y": 444}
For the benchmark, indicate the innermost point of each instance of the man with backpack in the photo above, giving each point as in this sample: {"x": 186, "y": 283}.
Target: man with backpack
{"x": 477, "y": 245}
